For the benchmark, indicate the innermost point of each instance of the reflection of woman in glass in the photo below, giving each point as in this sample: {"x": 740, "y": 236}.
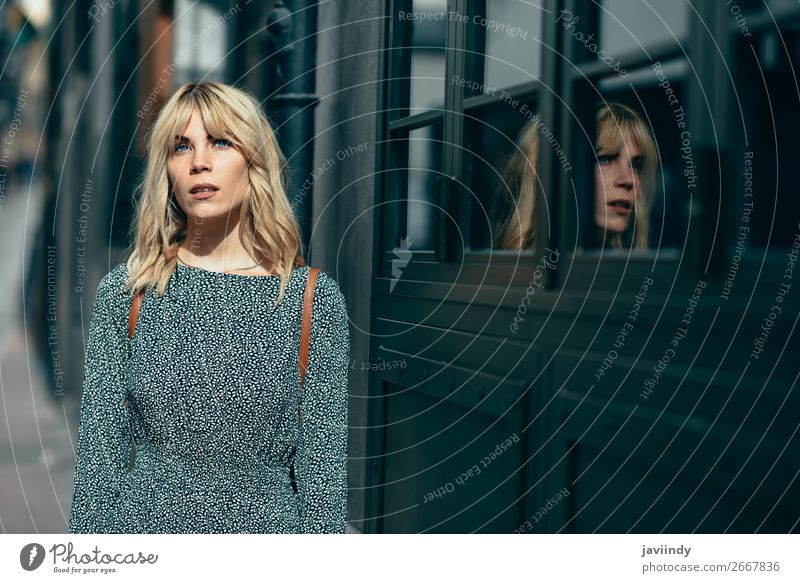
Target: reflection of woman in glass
{"x": 627, "y": 160}
{"x": 514, "y": 219}
{"x": 625, "y": 176}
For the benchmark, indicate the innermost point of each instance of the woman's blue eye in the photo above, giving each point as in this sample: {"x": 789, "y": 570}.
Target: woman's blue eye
{"x": 225, "y": 144}
{"x": 603, "y": 159}
{"x": 637, "y": 165}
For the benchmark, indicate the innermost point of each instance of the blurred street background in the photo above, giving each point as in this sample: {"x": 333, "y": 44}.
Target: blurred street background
{"x": 36, "y": 429}
{"x": 36, "y": 466}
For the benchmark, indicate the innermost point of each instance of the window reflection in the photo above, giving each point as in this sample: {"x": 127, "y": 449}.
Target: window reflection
{"x": 428, "y": 55}
{"x": 500, "y": 167}
{"x": 626, "y": 160}
{"x": 512, "y": 53}
{"x": 503, "y": 47}
{"x": 626, "y": 164}
{"x": 768, "y": 149}
{"x": 645, "y": 92}
{"x": 513, "y": 216}
{"x": 627, "y": 26}
{"x": 424, "y": 165}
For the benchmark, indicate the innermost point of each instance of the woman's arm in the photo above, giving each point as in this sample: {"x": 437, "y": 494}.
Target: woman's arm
{"x": 103, "y": 438}
{"x": 321, "y": 462}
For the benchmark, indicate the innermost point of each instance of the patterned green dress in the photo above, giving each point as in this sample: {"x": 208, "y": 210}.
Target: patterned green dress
{"x": 212, "y": 378}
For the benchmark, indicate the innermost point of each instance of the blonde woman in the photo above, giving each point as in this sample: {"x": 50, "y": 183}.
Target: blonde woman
{"x": 514, "y": 217}
{"x": 625, "y": 177}
{"x": 197, "y": 424}
{"x": 625, "y": 174}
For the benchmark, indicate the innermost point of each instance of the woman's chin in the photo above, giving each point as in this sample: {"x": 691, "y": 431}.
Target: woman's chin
{"x": 209, "y": 213}
{"x": 613, "y": 227}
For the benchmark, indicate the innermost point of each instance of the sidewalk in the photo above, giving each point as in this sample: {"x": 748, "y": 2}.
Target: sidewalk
{"x": 36, "y": 453}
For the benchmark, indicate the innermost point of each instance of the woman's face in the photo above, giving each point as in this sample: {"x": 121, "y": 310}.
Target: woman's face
{"x": 617, "y": 186}
{"x": 199, "y": 159}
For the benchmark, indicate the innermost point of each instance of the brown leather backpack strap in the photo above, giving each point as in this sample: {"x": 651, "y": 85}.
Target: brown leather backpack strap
{"x": 135, "y": 306}
{"x": 305, "y": 332}
{"x": 134, "y": 315}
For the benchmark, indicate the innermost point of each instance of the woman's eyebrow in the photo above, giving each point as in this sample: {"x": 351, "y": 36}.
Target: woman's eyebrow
{"x": 185, "y": 139}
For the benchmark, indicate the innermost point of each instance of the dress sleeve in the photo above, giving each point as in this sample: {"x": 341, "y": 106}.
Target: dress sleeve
{"x": 103, "y": 438}
{"x": 321, "y": 461}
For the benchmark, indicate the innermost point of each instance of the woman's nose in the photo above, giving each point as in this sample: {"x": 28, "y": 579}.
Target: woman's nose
{"x": 200, "y": 160}
{"x": 623, "y": 175}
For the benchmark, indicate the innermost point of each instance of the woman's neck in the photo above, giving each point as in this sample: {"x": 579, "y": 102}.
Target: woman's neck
{"x": 215, "y": 245}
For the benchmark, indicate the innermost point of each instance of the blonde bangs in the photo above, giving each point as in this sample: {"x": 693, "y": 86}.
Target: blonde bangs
{"x": 610, "y": 136}
{"x": 268, "y": 228}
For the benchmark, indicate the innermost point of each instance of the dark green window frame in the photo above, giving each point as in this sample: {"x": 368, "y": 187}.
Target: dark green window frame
{"x": 452, "y": 259}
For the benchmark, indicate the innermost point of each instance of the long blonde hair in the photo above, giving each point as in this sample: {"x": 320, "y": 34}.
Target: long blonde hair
{"x": 614, "y": 122}
{"x": 268, "y": 228}
{"x": 515, "y": 219}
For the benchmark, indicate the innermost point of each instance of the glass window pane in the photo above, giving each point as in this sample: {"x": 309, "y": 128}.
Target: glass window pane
{"x": 503, "y": 45}
{"x": 627, "y": 26}
{"x": 501, "y": 144}
{"x": 424, "y": 165}
{"x": 768, "y": 149}
{"x": 429, "y": 31}
{"x": 513, "y": 51}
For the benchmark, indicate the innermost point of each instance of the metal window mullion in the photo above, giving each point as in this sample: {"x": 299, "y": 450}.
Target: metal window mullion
{"x": 707, "y": 246}
{"x": 397, "y": 97}
{"x": 547, "y": 207}
{"x": 447, "y": 191}
{"x": 567, "y": 234}
{"x": 462, "y": 203}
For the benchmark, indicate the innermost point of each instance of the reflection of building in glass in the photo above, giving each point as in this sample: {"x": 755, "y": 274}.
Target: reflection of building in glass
{"x": 427, "y": 54}
{"x": 424, "y": 158}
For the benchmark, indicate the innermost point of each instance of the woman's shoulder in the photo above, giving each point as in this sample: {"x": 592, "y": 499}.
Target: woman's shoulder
{"x": 329, "y": 301}
{"x": 327, "y": 288}
{"x": 112, "y": 292}
{"x": 114, "y": 281}
{"x": 113, "y": 301}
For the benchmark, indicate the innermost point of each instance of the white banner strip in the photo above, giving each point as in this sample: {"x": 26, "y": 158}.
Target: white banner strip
{"x": 616, "y": 558}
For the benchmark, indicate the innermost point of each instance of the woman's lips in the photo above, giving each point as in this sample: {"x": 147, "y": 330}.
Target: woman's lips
{"x": 620, "y": 207}
{"x": 203, "y": 194}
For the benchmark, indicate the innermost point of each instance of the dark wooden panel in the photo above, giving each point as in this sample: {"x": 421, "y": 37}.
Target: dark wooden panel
{"x": 450, "y": 468}
{"x": 640, "y": 469}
